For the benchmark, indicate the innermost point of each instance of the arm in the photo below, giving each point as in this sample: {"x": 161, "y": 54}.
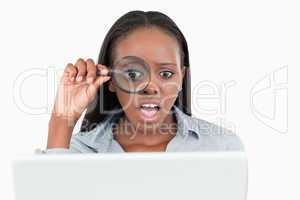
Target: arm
{"x": 76, "y": 90}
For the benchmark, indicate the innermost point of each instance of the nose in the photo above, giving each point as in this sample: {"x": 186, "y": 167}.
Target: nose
{"x": 151, "y": 89}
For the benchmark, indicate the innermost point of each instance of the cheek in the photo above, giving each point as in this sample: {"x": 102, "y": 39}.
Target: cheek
{"x": 168, "y": 98}
{"x": 171, "y": 87}
{"x": 169, "y": 92}
{"x": 126, "y": 100}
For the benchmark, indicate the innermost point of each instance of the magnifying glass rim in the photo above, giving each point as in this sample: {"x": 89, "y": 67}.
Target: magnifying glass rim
{"x": 145, "y": 65}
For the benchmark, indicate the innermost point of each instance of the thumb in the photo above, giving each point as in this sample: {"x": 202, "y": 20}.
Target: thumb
{"x": 100, "y": 80}
{"x": 93, "y": 87}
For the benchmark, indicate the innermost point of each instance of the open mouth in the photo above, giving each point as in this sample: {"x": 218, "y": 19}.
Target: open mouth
{"x": 149, "y": 110}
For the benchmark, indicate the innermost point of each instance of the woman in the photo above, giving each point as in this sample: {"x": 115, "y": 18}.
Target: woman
{"x": 158, "y": 118}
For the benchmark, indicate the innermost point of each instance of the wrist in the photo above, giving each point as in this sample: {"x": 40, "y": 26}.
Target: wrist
{"x": 63, "y": 119}
{"x": 60, "y": 131}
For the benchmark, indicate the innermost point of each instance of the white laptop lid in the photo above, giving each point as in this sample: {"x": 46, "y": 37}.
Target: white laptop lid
{"x": 134, "y": 176}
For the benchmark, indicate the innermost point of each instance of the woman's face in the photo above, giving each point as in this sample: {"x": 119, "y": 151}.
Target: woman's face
{"x": 162, "y": 54}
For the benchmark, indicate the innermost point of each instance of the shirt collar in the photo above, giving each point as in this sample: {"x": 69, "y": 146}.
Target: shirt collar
{"x": 187, "y": 125}
{"x": 101, "y": 136}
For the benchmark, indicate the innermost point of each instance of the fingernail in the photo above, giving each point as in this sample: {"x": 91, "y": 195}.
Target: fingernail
{"x": 104, "y": 72}
{"x": 79, "y": 78}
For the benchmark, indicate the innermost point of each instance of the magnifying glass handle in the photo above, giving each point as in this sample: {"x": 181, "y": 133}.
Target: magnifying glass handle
{"x": 98, "y": 73}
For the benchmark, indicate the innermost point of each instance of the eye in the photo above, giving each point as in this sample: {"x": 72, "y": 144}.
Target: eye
{"x": 133, "y": 75}
{"x": 166, "y": 74}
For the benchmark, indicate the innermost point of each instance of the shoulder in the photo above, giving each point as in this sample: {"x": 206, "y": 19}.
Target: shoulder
{"x": 95, "y": 140}
{"x": 207, "y": 135}
{"x": 214, "y": 137}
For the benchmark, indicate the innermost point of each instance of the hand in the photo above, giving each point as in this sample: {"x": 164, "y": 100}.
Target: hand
{"x": 77, "y": 88}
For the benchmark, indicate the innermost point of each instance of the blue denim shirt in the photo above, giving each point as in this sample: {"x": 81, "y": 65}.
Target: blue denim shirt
{"x": 193, "y": 134}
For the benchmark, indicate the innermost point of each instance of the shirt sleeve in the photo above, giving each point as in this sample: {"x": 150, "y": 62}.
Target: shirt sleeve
{"x": 234, "y": 143}
{"x": 56, "y": 151}
{"x": 75, "y": 147}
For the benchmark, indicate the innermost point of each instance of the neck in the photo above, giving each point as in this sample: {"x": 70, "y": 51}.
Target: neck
{"x": 127, "y": 134}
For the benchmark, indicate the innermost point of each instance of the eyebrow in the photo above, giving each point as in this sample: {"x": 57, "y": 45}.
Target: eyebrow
{"x": 166, "y": 63}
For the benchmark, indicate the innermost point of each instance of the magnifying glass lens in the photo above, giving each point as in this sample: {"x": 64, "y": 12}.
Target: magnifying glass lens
{"x": 131, "y": 74}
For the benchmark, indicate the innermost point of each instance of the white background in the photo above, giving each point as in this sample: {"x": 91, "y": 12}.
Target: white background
{"x": 239, "y": 42}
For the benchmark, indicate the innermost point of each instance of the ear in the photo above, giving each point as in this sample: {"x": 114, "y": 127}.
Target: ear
{"x": 111, "y": 86}
{"x": 183, "y": 69}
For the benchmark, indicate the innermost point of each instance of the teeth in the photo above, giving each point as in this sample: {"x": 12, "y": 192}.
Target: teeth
{"x": 149, "y": 106}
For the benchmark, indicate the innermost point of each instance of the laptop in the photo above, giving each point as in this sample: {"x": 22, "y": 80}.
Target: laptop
{"x": 132, "y": 176}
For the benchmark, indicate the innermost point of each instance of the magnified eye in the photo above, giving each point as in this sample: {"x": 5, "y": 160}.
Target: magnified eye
{"x": 133, "y": 75}
{"x": 166, "y": 74}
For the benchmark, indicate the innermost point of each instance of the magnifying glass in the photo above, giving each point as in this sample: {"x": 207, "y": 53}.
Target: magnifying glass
{"x": 131, "y": 74}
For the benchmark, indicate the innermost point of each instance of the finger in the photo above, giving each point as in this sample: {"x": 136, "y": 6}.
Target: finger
{"x": 101, "y": 79}
{"x": 91, "y": 91}
{"x": 91, "y": 70}
{"x": 102, "y": 69}
{"x": 92, "y": 88}
{"x": 70, "y": 72}
{"x": 81, "y": 67}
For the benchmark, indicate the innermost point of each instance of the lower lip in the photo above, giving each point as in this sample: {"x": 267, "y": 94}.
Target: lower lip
{"x": 148, "y": 114}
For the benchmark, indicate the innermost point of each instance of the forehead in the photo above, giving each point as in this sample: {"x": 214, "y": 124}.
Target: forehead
{"x": 151, "y": 44}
